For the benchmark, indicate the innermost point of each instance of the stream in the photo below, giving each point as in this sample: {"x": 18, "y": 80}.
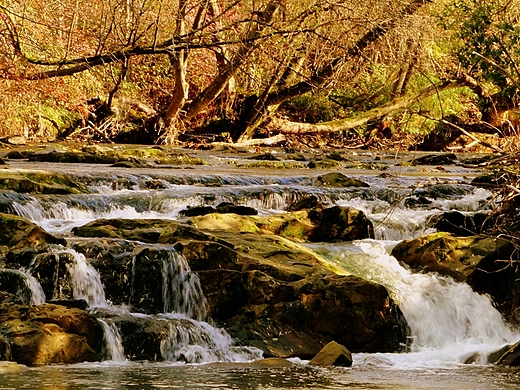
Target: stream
{"x": 448, "y": 321}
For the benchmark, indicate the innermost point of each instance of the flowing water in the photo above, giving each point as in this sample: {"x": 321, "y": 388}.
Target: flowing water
{"x": 448, "y": 321}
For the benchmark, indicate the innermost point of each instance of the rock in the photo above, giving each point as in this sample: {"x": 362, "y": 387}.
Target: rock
{"x": 266, "y": 291}
{"x": 337, "y": 179}
{"x": 14, "y": 140}
{"x": 264, "y": 157}
{"x": 39, "y": 182}
{"x": 442, "y": 191}
{"x": 227, "y": 208}
{"x": 511, "y": 357}
{"x": 331, "y": 224}
{"x": 13, "y": 283}
{"x": 197, "y": 211}
{"x": 332, "y": 354}
{"x": 463, "y": 225}
{"x": 305, "y": 203}
{"x": 340, "y": 224}
{"x": 222, "y": 208}
{"x": 439, "y": 252}
{"x": 47, "y": 334}
{"x": 273, "y": 363}
{"x": 325, "y": 164}
{"x": 145, "y": 230}
{"x": 417, "y": 201}
{"x": 434, "y": 159}
{"x": 17, "y": 233}
{"x": 11, "y": 368}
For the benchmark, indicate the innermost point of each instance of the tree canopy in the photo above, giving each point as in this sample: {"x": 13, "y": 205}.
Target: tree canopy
{"x": 242, "y": 69}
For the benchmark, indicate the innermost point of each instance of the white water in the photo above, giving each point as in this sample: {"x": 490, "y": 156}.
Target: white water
{"x": 182, "y": 292}
{"x": 113, "y": 349}
{"x": 398, "y": 222}
{"x": 194, "y": 341}
{"x": 448, "y": 321}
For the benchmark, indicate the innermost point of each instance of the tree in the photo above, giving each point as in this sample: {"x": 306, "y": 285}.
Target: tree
{"x": 262, "y": 52}
{"x": 487, "y": 47}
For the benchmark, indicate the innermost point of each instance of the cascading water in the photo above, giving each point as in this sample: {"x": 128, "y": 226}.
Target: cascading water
{"x": 190, "y": 338}
{"x": 181, "y": 288}
{"x": 448, "y": 320}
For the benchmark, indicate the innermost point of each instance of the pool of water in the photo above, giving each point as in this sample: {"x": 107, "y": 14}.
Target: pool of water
{"x": 146, "y": 376}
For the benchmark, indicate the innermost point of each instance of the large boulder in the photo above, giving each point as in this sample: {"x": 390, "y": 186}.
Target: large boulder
{"x": 47, "y": 334}
{"x": 330, "y": 224}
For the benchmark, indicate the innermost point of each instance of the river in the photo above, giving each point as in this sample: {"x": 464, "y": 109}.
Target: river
{"x": 448, "y": 321}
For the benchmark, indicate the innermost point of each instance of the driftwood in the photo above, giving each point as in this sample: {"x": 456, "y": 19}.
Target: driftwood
{"x": 288, "y": 127}
{"x": 254, "y": 142}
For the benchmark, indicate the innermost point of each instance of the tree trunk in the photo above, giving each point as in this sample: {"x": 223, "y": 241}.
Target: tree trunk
{"x": 206, "y": 97}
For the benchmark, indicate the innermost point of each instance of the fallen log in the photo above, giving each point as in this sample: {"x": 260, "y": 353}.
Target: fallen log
{"x": 288, "y": 127}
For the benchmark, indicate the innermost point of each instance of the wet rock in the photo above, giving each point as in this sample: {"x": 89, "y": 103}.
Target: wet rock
{"x": 337, "y": 179}
{"x": 434, "y": 159}
{"x": 145, "y": 230}
{"x": 38, "y": 182}
{"x": 333, "y": 354}
{"x": 14, "y": 287}
{"x": 416, "y": 202}
{"x": 17, "y": 233}
{"x": 305, "y": 203}
{"x": 440, "y": 252}
{"x": 11, "y": 368}
{"x": 273, "y": 363}
{"x": 331, "y": 224}
{"x": 225, "y": 208}
{"x": 340, "y": 223}
{"x": 222, "y": 208}
{"x": 463, "y": 225}
{"x": 264, "y": 290}
{"x": 47, "y": 334}
{"x": 442, "y": 191}
{"x": 264, "y": 157}
{"x": 325, "y": 164}
{"x": 511, "y": 357}
{"x": 494, "y": 179}
{"x": 197, "y": 211}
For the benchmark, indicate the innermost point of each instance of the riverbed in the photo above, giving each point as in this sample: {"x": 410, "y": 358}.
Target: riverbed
{"x": 437, "y": 351}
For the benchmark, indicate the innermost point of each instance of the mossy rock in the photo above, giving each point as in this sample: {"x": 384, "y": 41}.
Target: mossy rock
{"x": 145, "y": 230}
{"x": 39, "y": 182}
{"x": 325, "y": 164}
{"x": 332, "y": 224}
{"x": 439, "y": 252}
{"x": 17, "y": 232}
{"x": 337, "y": 179}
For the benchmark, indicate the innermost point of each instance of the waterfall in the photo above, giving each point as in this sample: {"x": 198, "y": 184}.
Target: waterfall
{"x": 86, "y": 281}
{"x": 37, "y": 294}
{"x": 181, "y": 288}
{"x": 113, "y": 347}
{"x": 447, "y": 319}
{"x": 194, "y": 341}
{"x": 23, "y": 285}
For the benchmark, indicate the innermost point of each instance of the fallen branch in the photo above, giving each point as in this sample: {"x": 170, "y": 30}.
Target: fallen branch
{"x": 287, "y": 127}
{"x": 466, "y": 133}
